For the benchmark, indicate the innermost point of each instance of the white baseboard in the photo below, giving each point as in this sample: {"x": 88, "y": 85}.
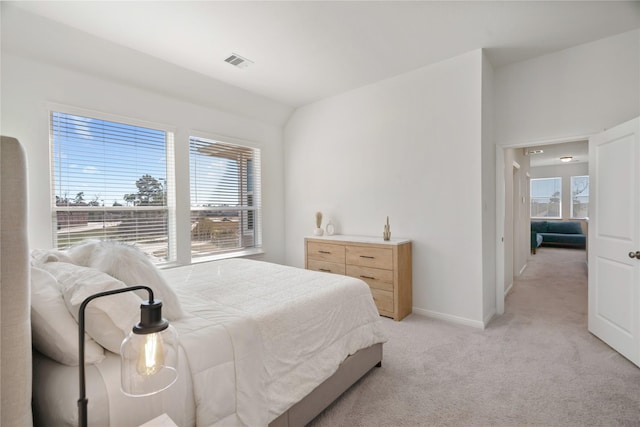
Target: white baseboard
{"x": 509, "y": 288}
{"x": 524, "y": 267}
{"x": 488, "y": 318}
{"x": 450, "y": 318}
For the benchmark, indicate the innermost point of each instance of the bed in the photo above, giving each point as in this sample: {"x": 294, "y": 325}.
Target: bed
{"x": 260, "y": 343}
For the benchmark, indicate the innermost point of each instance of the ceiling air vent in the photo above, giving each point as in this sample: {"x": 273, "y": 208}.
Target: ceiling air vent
{"x": 238, "y": 61}
{"x": 528, "y": 152}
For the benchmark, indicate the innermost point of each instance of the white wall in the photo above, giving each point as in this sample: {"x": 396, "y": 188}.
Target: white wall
{"x": 28, "y": 85}
{"x": 408, "y": 147}
{"x": 488, "y": 195}
{"x": 575, "y": 92}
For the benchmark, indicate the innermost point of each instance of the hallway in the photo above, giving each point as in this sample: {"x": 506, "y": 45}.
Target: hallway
{"x": 553, "y": 288}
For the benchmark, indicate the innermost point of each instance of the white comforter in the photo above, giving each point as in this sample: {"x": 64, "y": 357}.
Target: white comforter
{"x": 223, "y": 349}
{"x": 261, "y": 336}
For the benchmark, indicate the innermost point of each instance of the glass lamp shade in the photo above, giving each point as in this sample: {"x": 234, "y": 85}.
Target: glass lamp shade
{"x": 149, "y": 362}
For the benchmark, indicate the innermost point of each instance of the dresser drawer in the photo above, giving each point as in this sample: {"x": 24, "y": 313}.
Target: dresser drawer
{"x": 370, "y": 257}
{"x": 327, "y": 267}
{"x": 383, "y": 300}
{"x": 384, "y": 265}
{"x": 375, "y": 277}
{"x": 325, "y": 252}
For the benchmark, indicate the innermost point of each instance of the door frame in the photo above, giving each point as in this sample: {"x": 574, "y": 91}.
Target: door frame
{"x": 501, "y": 245}
{"x": 515, "y": 212}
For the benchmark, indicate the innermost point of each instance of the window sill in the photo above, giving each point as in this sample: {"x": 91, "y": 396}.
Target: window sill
{"x": 226, "y": 255}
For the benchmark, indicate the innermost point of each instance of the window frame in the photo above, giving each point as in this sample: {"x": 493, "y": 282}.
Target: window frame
{"x": 531, "y": 198}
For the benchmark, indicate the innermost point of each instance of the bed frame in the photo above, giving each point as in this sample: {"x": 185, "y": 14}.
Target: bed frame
{"x": 349, "y": 372}
{"x": 15, "y": 345}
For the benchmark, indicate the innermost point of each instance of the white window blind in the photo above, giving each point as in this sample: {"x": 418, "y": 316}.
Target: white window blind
{"x": 225, "y": 197}
{"x": 111, "y": 181}
{"x": 546, "y": 197}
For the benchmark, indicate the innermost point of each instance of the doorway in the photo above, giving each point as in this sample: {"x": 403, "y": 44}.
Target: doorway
{"x": 515, "y": 166}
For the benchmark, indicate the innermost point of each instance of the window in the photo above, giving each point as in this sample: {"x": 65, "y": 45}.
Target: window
{"x": 114, "y": 180}
{"x": 546, "y": 198}
{"x": 579, "y": 196}
{"x": 225, "y": 197}
{"x": 111, "y": 180}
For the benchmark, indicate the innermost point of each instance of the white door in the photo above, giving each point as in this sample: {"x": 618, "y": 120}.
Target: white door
{"x": 614, "y": 238}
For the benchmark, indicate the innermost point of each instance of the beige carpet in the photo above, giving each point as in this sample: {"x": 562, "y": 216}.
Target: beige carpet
{"x": 535, "y": 366}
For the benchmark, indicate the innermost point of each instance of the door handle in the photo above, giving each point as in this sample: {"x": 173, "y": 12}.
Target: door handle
{"x": 635, "y": 255}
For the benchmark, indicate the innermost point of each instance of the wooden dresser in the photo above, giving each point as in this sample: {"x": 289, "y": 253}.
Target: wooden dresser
{"x": 384, "y": 265}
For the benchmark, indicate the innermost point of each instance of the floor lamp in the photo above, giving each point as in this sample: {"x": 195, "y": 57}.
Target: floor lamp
{"x": 149, "y": 355}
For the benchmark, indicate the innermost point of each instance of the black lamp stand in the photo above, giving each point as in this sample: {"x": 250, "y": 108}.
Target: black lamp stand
{"x": 151, "y": 321}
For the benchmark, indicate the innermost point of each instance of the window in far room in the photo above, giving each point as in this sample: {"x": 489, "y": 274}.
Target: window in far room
{"x": 546, "y": 197}
{"x": 579, "y": 196}
{"x": 112, "y": 180}
{"x": 225, "y": 197}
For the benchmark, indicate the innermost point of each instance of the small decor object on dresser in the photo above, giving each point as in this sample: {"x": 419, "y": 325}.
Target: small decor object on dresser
{"x": 330, "y": 228}
{"x": 318, "y": 231}
{"x": 386, "y": 234}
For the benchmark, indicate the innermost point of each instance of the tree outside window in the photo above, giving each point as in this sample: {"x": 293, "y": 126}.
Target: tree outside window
{"x": 579, "y": 196}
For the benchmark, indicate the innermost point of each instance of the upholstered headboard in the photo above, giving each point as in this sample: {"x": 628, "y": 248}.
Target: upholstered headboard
{"x": 15, "y": 344}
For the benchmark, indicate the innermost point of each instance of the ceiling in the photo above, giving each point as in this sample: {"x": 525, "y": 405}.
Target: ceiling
{"x": 550, "y": 156}
{"x": 303, "y": 51}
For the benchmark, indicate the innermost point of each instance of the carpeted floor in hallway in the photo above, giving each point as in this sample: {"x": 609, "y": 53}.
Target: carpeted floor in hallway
{"x": 537, "y": 365}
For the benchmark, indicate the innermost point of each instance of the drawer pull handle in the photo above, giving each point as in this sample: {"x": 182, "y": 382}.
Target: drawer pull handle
{"x": 367, "y": 256}
{"x": 368, "y": 277}
{"x": 324, "y": 252}
{"x": 325, "y": 270}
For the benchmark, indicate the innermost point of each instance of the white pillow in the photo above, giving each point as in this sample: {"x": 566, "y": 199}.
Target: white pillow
{"x": 41, "y": 256}
{"x": 108, "y": 319}
{"x": 132, "y": 266}
{"x": 54, "y": 330}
